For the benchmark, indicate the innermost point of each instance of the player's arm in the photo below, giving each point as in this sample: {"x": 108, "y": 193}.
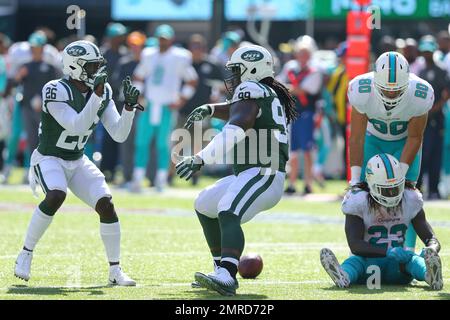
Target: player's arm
{"x": 55, "y": 103}
{"x": 356, "y": 144}
{"x": 215, "y": 110}
{"x": 119, "y": 126}
{"x": 354, "y": 231}
{"x": 416, "y": 127}
{"x": 242, "y": 117}
{"x": 424, "y": 231}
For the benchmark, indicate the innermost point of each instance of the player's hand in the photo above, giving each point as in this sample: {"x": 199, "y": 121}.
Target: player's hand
{"x": 399, "y": 254}
{"x": 187, "y": 166}
{"x": 198, "y": 114}
{"x": 131, "y": 94}
{"x": 100, "y": 78}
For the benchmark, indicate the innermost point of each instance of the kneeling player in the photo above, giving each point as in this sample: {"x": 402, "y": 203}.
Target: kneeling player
{"x": 72, "y": 107}
{"x": 377, "y": 215}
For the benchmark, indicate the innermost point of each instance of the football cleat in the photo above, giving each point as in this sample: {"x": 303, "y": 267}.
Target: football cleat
{"x": 220, "y": 281}
{"x": 434, "y": 269}
{"x": 333, "y": 268}
{"x": 119, "y": 278}
{"x": 196, "y": 285}
{"x": 23, "y": 265}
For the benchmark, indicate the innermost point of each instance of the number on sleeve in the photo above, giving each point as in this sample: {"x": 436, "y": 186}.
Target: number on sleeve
{"x": 50, "y": 93}
{"x": 364, "y": 86}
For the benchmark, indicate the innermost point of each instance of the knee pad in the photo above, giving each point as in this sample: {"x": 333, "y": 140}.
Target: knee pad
{"x": 52, "y": 202}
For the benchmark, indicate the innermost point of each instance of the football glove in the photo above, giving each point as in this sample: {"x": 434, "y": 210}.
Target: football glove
{"x": 187, "y": 166}
{"x": 399, "y": 254}
{"x": 198, "y": 114}
{"x": 131, "y": 94}
{"x": 101, "y": 77}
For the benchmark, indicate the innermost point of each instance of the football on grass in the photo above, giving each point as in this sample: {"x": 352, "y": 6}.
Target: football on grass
{"x": 250, "y": 266}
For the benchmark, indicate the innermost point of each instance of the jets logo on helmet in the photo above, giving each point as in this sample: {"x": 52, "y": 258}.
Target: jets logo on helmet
{"x": 248, "y": 63}
{"x": 76, "y": 51}
{"x": 391, "y": 77}
{"x": 385, "y": 179}
{"x": 252, "y": 56}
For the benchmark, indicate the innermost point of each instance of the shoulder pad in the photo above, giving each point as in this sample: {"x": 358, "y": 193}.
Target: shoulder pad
{"x": 56, "y": 90}
{"x": 422, "y": 95}
{"x": 413, "y": 201}
{"x": 250, "y": 90}
{"x": 354, "y": 202}
{"x": 359, "y": 98}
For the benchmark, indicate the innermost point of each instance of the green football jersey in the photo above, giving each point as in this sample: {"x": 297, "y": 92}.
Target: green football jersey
{"x": 56, "y": 141}
{"x": 266, "y": 144}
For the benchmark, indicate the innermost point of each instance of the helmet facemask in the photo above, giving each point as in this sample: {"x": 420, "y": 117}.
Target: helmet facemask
{"x": 234, "y": 80}
{"x": 90, "y": 68}
{"x": 390, "y": 102}
{"x": 388, "y": 195}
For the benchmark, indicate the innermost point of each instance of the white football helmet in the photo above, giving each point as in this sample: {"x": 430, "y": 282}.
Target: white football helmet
{"x": 248, "y": 63}
{"x": 81, "y": 61}
{"x": 385, "y": 179}
{"x": 391, "y": 76}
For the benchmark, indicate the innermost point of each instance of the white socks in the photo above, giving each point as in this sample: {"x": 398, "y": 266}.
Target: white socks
{"x": 38, "y": 224}
{"x": 138, "y": 175}
{"x": 161, "y": 178}
{"x": 110, "y": 233}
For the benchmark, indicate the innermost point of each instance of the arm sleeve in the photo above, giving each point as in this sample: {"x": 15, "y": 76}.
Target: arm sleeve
{"x": 117, "y": 126}
{"x": 67, "y": 117}
{"x": 222, "y": 144}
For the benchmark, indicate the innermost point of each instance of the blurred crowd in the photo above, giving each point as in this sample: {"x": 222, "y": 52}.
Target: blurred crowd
{"x": 175, "y": 77}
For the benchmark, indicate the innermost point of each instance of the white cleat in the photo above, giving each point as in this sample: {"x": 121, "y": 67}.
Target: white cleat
{"x": 333, "y": 268}
{"x": 119, "y": 278}
{"x": 434, "y": 269}
{"x": 23, "y": 265}
{"x": 219, "y": 280}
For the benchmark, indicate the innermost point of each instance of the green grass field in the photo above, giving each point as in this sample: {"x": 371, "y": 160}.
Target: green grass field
{"x": 163, "y": 246}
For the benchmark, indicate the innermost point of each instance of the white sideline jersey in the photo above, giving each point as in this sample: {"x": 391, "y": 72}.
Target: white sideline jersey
{"x": 383, "y": 228}
{"x": 20, "y": 53}
{"x": 391, "y": 124}
{"x": 164, "y": 73}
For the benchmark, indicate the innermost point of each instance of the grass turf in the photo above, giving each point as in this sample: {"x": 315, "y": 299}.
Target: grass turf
{"x": 163, "y": 246}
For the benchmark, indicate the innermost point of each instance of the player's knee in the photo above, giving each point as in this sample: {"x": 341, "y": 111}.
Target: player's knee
{"x": 200, "y": 203}
{"x": 105, "y": 209}
{"x": 52, "y": 202}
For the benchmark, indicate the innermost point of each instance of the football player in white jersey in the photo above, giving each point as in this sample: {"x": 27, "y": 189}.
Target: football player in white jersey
{"x": 169, "y": 80}
{"x": 389, "y": 115}
{"x": 377, "y": 215}
{"x": 72, "y": 107}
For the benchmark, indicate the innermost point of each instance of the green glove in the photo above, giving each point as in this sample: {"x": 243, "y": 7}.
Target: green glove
{"x": 101, "y": 77}
{"x": 131, "y": 94}
{"x": 188, "y": 166}
{"x": 198, "y": 114}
